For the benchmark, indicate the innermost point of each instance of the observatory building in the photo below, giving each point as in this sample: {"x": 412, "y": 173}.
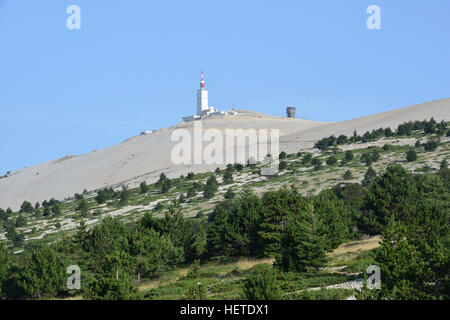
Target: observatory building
{"x": 203, "y": 107}
{"x": 202, "y": 99}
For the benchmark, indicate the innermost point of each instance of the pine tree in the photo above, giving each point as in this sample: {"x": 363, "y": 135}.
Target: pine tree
{"x": 101, "y": 197}
{"x": 47, "y": 211}
{"x": 331, "y": 160}
{"x": 431, "y": 144}
{"x": 124, "y": 195}
{"x": 81, "y": 233}
{"x": 351, "y": 193}
{"x": 388, "y": 132}
{"x": 348, "y": 175}
{"x": 56, "y": 210}
{"x": 317, "y": 163}
{"x": 411, "y": 156}
{"x": 444, "y": 164}
{"x": 83, "y": 207}
{"x": 42, "y": 273}
{"x": 210, "y": 188}
{"x": 194, "y": 270}
{"x": 166, "y": 185}
{"x": 333, "y": 219}
{"x": 306, "y": 159}
{"x": 375, "y": 155}
{"x": 152, "y": 254}
{"x": 430, "y": 126}
{"x": 16, "y": 238}
{"x": 342, "y": 139}
{"x": 393, "y": 194}
{"x": 369, "y": 177}
{"x": 355, "y": 137}
{"x": 114, "y": 282}
{"x": 277, "y": 209}
{"x": 219, "y": 222}
{"x": 163, "y": 177}
{"x": 301, "y": 245}
{"x": 26, "y": 207}
{"x": 191, "y": 192}
{"x": 414, "y": 256}
{"x": 21, "y": 221}
{"x": 433, "y": 190}
{"x": 78, "y": 196}
{"x": 143, "y": 187}
{"x": 5, "y": 270}
{"x": 233, "y": 227}
{"x": 229, "y": 195}
{"x": 228, "y": 176}
{"x": 348, "y": 155}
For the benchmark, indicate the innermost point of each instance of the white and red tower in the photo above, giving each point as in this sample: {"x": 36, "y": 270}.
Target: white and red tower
{"x": 202, "y": 98}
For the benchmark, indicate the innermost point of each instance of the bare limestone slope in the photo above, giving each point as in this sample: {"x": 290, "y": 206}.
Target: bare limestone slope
{"x": 439, "y": 109}
{"x": 145, "y": 157}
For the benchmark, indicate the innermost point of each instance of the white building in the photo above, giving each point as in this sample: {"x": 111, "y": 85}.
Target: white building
{"x": 202, "y": 98}
{"x": 203, "y": 107}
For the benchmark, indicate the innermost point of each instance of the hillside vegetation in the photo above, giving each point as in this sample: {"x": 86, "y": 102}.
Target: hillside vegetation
{"x": 309, "y": 232}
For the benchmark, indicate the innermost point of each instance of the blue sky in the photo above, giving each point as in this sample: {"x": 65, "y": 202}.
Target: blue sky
{"x": 135, "y": 65}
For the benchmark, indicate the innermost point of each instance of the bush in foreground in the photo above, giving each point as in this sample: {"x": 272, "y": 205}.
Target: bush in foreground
{"x": 261, "y": 284}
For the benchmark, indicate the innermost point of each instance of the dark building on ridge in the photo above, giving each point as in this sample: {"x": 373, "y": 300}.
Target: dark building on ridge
{"x": 290, "y": 111}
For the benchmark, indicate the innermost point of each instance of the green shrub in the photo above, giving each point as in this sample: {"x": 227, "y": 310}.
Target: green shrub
{"x": 194, "y": 271}
{"x": 143, "y": 187}
{"x": 348, "y": 155}
{"x": 262, "y": 284}
{"x": 348, "y": 175}
{"x": 323, "y": 294}
{"x": 229, "y": 194}
{"x": 411, "y": 156}
{"x": 369, "y": 177}
{"x": 431, "y": 145}
{"x": 196, "y": 292}
{"x": 331, "y": 160}
{"x": 317, "y": 163}
{"x": 211, "y": 187}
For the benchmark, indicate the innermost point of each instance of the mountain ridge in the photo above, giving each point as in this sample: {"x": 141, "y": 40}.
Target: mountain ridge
{"x": 144, "y": 157}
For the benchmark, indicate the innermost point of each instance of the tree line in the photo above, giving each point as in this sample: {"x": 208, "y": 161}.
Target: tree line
{"x": 411, "y": 212}
{"x": 404, "y": 129}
